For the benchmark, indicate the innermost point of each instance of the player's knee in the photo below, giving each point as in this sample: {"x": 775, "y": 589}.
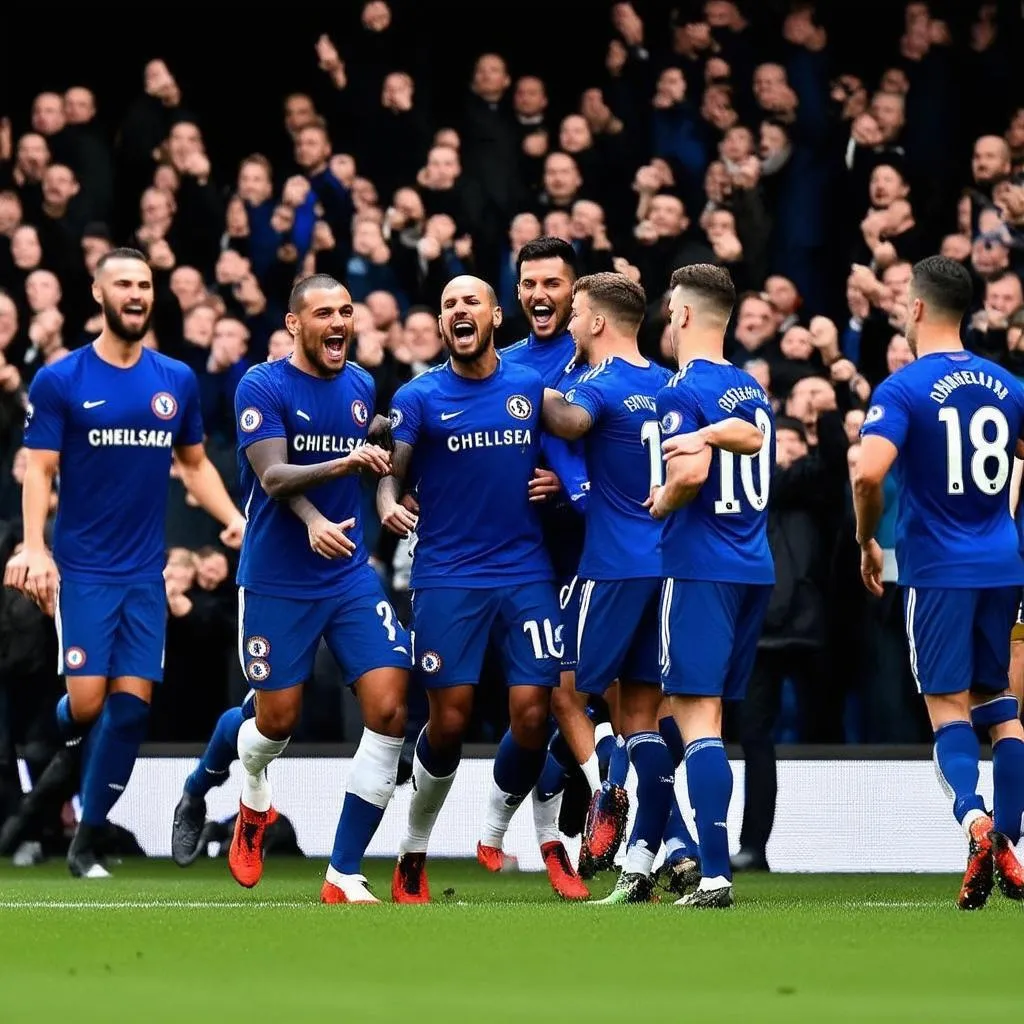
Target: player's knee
{"x": 277, "y": 722}
{"x": 529, "y": 723}
{"x": 86, "y": 707}
{"x": 387, "y": 716}
{"x": 448, "y": 725}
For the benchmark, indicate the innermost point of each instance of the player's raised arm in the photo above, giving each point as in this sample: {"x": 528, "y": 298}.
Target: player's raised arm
{"x": 563, "y": 418}
{"x": 393, "y": 514}
{"x": 734, "y": 435}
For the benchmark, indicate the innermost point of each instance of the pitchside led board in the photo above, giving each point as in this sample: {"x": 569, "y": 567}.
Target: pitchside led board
{"x": 828, "y": 817}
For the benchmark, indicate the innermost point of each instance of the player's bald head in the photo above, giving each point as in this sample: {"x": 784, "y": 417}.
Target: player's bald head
{"x": 467, "y": 284}
{"x": 707, "y": 290}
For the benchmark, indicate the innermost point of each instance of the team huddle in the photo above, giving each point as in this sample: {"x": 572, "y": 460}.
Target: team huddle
{"x": 599, "y": 521}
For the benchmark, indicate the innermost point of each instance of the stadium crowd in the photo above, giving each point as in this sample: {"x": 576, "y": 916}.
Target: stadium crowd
{"x": 709, "y": 136}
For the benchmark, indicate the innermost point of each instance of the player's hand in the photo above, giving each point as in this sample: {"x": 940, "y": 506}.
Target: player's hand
{"x": 329, "y": 540}
{"x": 35, "y": 575}
{"x": 652, "y": 503}
{"x": 545, "y": 484}
{"x": 871, "y": 567}
{"x": 368, "y": 457}
{"x": 399, "y": 520}
{"x": 232, "y": 534}
{"x": 692, "y": 443}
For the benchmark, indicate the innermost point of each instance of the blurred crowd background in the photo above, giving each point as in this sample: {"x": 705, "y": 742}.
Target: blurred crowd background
{"x": 816, "y": 150}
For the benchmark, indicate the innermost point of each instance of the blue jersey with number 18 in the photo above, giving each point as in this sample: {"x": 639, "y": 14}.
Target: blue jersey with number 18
{"x": 955, "y": 419}
{"x": 722, "y": 535}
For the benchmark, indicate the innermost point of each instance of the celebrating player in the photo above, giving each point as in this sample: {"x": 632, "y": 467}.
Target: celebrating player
{"x": 547, "y": 269}
{"x": 107, "y": 418}
{"x": 716, "y": 561}
{"x": 612, "y": 406}
{"x": 467, "y": 440}
{"x": 304, "y": 576}
{"x": 948, "y": 424}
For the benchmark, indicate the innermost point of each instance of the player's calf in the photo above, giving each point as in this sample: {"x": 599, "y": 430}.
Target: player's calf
{"x": 516, "y": 771}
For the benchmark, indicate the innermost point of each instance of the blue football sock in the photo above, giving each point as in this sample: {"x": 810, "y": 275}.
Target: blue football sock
{"x": 438, "y": 763}
{"x": 371, "y": 781}
{"x": 673, "y": 739}
{"x": 516, "y": 769}
{"x": 1008, "y": 782}
{"x": 222, "y": 749}
{"x": 654, "y": 778}
{"x": 249, "y": 705}
{"x": 71, "y": 731}
{"x": 956, "y": 758}
{"x": 605, "y": 747}
{"x": 709, "y": 780}
{"x": 552, "y": 778}
{"x": 618, "y": 765}
{"x": 678, "y": 839}
{"x": 113, "y": 749}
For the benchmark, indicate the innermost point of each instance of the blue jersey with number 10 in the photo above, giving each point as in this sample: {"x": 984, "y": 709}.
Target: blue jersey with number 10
{"x": 722, "y": 535}
{"x": 623, "y": 454}
{"x": 955, "y": 419}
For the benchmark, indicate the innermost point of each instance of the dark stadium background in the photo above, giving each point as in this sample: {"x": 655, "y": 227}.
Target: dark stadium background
{"x": 243, "y": 58}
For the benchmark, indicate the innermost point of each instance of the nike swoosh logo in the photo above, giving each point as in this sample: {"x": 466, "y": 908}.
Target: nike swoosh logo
{"x": 92, "y": 405}
{"x": 305, "y": 416}
{"x": 445, "y": 416}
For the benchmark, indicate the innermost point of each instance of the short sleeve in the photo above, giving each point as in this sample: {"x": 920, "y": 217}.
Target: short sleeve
{"x": 678, "y": 410}
{"x": 406, "y": 416}
{"x": 888, "y": 415}
{"x": 191, "y": 429}
{"x": 257, "y": 411}
{"x": 46, "y": 414}
{"x": 588, "y": 396}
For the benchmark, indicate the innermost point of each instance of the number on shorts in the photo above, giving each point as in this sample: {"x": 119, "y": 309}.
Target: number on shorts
{"x": 984, "y": 450}
{"x": 387, "y": 620}
{"x": 755, "y": 494}
{"x": 555, "y": 648}
{"x": 650, "y": 436}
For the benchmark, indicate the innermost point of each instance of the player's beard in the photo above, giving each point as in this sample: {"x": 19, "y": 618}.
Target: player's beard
{"x": 486, "y": 339}
{"x": 120, "y": 329}
{"x": 313, "y": 351}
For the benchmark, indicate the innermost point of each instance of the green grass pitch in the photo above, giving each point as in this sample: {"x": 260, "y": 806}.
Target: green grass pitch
{"x": 160, "y": 944}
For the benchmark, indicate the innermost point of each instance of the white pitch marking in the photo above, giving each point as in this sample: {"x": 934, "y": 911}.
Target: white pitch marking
{"x": 148, "y": 905}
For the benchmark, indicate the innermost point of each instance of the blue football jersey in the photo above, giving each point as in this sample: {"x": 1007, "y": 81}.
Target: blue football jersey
{"x": 623, "y": 453}
{"x": 555, "y": 361}
{"x": 955, "y": 419}
{"x": 551, "y": 359}
{"x": 475, "y": 445}
{"x": 321, "y": 420}
{"x": 722, "y": 535}
{"x": 115, "y": 429}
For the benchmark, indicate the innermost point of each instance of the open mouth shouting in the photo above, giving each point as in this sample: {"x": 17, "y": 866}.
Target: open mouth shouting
{"x": 463, "y": 330}
{"x": 543, "y": 316}
{"x": 334, "y": 349}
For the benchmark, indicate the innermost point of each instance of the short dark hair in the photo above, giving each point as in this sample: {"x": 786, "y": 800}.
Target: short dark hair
{"x": 712, "y": 283}
{"x": 548, "y": 247}
{"x": 307, "y": 284}
{"x": 122, "y": 253}
{"x": 944, "y": 285}
{"x": 620, "y": 296}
